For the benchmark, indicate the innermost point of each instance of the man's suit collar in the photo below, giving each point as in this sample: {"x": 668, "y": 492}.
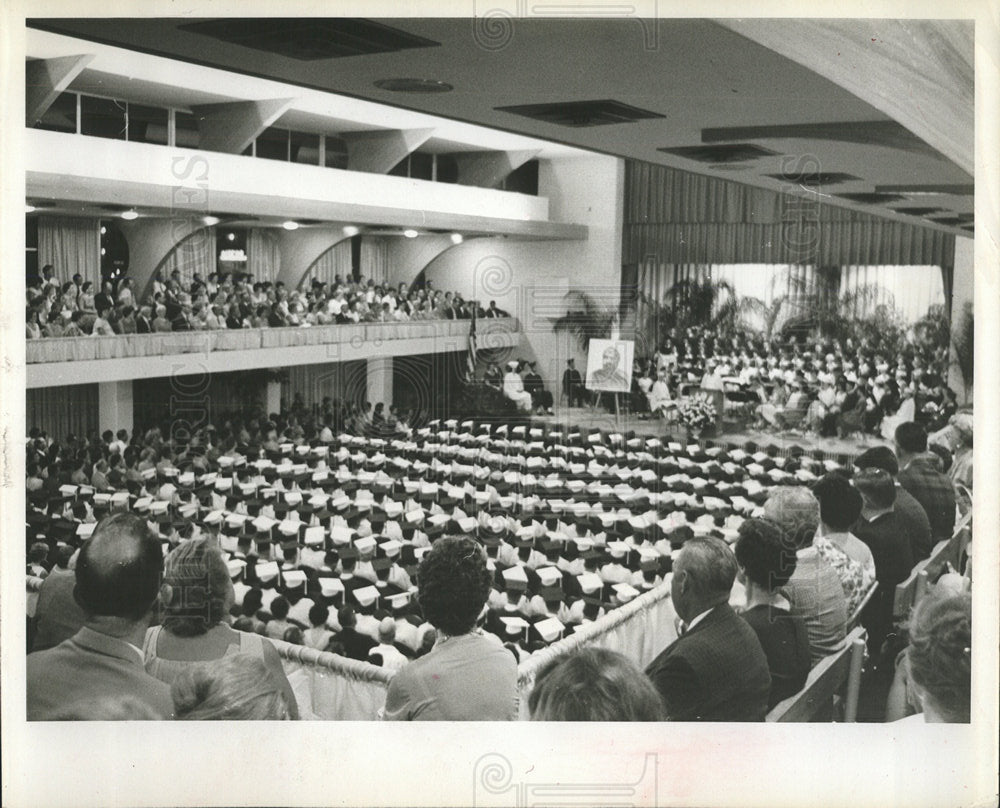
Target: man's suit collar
{"x": 106, "y": 644}
{"x": 716, "y": 613}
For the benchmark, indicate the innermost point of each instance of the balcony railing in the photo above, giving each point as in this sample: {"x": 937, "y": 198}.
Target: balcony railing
{"x": 130, "y": 346}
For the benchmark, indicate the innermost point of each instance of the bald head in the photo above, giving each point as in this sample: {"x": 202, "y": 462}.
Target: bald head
{"x": 119, "y": 569}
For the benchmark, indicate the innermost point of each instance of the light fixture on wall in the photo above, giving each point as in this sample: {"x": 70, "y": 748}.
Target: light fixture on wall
{"x": 350, "y": 230}
{"x": 29, "y": 208}
{"x": 457, "y": 238}
{"x": 409, "y": 233}
{"x": 104, "y": 230}
{"x": 210, "y": 221}
{"x": 129, "y": 215}
{"x": 290, "y": 225}
{"x": 231, "y": 236}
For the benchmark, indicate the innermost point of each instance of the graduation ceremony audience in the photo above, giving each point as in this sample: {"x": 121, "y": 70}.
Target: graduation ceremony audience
{"x": 230, "y": 301}
{"x": 447, "y": 554}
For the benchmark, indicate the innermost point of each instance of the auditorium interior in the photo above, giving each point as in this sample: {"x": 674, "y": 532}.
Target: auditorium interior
{"x": 636, "y": 309}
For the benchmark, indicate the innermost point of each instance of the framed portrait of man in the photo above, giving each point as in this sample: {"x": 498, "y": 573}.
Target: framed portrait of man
{"x": 609, "y": 365}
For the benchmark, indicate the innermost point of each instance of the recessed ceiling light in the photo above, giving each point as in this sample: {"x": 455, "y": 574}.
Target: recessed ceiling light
{"x": 350, "y": 230}
{"x": 290, "y": 225}
{"x": 210, "y": 221}
{"x": 410, "y": 233}
{"x": 456, "y": 238}
{"x": 129, "y": 215}
{"x": 29, "y": 208}
{"x": 414, "y": 86}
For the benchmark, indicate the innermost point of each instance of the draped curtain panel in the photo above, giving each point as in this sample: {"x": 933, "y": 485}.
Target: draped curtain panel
{"x": 194, "y": 254}
{"x": 60, "y": 411}
{"x": 72, "y": 246}
{"x": 672, "y": 217}
{"x": 333, "y": 263}
{"x": 374, "y": 260}
{"x": 263, "y": 256}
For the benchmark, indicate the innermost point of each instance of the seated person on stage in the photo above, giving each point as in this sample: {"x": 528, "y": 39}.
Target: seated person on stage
{"x": 814, "y": 590}
{"x": 593, "y": 684}
{"x": 117, "y": 582}
{"x": 765, "y": 565}
{"x": 572, "y": 384}
{"x": 659, "y": 397}
{"x": 716, "y": 669}
{"x": 513, "y": 388}
{"x": 541, "y": 399}
{"x": 493, "y": 377}
{"x": 468, "y": 676}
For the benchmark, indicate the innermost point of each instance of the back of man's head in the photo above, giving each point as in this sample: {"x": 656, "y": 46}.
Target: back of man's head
{"x": 119, "y": 569}
{"x": 710, "y": 567}
{"x": 839, "y": 501}
{"x": 387, "y": 631}
{"x": 876, "y": 487}
{"x": 878, "y": 457}
{"x": 796, "y": 511}
{"x": 346, "y": 618}
{"x": 911, "y": 437}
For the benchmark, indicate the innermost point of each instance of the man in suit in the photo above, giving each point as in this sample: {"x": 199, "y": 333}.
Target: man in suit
{"x": 909, "y": 512}
{"x": 572, "y": 383}
{"x": 881, "y": 529}
{"x": 144, "y": 322}
{"x": 932, "y": 489}
{"x": 117, "y": 582}
{"x": 716, "y": 670}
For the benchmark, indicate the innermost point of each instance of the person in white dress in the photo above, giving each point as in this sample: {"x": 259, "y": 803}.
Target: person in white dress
{"x": 513, "y": 388}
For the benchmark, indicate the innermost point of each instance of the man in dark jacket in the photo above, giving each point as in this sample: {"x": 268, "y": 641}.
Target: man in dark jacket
{"x": 716, "y": 670}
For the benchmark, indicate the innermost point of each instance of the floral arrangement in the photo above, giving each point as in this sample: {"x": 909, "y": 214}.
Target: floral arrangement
{"x": 696, "y": 414}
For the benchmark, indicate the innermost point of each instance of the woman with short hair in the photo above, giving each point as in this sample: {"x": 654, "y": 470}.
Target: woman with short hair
{"x": 196, "y": 599}
{"x": 467, "y": 676}
{"x": 764, "y": 565}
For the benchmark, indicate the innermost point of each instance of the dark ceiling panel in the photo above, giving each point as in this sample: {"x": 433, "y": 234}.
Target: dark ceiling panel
{"x": 722, "y": 153}
{"x": 582, "y": 113}
{"x": 815, "y": 179}
{"x": 310, "y": 39}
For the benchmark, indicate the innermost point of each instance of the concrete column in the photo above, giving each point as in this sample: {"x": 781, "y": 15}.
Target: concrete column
{"x": 379, "y": 380}
{"x": 114, "y": 403}
{"x": 272, "y": 397}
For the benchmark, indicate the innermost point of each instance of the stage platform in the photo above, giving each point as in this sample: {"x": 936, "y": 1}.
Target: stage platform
{"x": 588, "y": 418}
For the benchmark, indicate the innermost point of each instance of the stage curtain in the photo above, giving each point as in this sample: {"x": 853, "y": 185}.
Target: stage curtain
{"x": 673, "y": 217}
{"x": 334, "y": 262}
{"x": 193, "y": 254}
{"x": 60, "y": 411}
{"x": 374, "y": 260}
{"x": 912, "y": 290}
{"x": 263, "y": 255}
{"x": 72, "y": 246}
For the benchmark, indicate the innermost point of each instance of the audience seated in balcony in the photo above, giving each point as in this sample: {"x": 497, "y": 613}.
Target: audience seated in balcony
{"x": 232, "y": 301}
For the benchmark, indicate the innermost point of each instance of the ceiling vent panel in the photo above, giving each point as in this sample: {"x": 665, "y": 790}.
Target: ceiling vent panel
{"x": 917, "y": 211}
{"x": 310, "y": 39}
{"x": 815, "y": 179}
{"x": 720, "y": 153}
{"x": 579, "y": 114}
{"x": 871, "y": 198}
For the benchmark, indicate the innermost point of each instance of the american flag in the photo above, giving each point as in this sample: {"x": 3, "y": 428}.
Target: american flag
{"x": 470, "y": 358}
